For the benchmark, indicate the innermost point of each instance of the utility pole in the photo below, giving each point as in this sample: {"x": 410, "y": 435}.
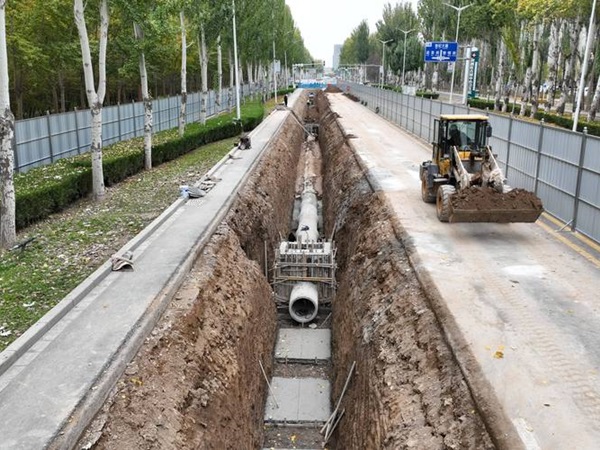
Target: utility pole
{"x": 274, "y": 74}
{"x": 383, "y": 60}
{"x": 404, "y": 54}
{"x": 459, "y": 10}
{"x": 235, "y": 60}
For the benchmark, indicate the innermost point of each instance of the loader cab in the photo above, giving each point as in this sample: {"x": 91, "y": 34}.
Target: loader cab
{"x": 468, "y": 133}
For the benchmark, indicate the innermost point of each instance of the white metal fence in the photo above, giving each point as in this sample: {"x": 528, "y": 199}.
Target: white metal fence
{"x": 43, "y": 140}
{"x": 562, "y": 167}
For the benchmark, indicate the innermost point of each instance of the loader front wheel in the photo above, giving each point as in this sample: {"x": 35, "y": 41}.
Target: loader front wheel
{"x": 443, "y": 202}
{"x": 426, "y": 194}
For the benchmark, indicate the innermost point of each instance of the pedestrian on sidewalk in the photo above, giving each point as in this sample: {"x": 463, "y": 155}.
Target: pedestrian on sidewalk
{"x": 285, "y": 99}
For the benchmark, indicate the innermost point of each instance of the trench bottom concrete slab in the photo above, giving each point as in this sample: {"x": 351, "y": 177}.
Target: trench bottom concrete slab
{"x": 294, "y": 400}
{"x": 303, "y": 344}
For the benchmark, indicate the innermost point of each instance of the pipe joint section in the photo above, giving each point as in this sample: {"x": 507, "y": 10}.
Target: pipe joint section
{"x": 304, "y": 302}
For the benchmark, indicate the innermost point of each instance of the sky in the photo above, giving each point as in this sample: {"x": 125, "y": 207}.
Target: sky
{"x": 324, "y": 23}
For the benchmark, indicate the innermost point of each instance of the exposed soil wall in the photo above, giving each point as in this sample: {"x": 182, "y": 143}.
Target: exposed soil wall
{"x": 196, "y": 383}
{"x": 407, "y": 391}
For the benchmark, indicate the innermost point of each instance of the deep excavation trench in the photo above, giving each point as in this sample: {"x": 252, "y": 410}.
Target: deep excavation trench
{"x": 196, "y": 382}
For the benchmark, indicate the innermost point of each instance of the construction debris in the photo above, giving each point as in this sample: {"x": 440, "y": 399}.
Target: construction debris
{"x": 124, "y": 261}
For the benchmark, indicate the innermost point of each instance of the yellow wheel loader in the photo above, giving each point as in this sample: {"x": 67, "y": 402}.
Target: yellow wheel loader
{"x": 464, "y": 180}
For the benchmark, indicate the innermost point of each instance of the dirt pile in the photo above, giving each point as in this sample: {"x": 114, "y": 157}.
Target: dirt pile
{"x": 407, "y": 391}
{"x": 354, "y": 98}
{"x": 332, "y": 89}
{"x": 485, "y": 198}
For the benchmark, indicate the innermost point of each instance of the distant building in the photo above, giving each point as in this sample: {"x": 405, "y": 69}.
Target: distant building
{"x": 337, "y": 49}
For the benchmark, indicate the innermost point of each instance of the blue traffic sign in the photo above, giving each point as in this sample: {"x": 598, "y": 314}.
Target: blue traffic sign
{"x": 441, "y": 51}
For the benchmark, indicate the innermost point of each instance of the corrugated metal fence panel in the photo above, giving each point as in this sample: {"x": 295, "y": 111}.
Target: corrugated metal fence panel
{"x": 63, "y": 132}
{"x": 560, "y": 158}
{"x": 138, "y": 122}
{"x": 211, "y": 103}
{"x": 84, "y": 127}
{"x": 526, "y": 134}
{"x": 499, "y": 139}
{"x": 45, "y": 139}
{"x": 404, "y": 109}
{"x": 33, "y": 145}
{"x": 523, "y": 155}
{"x": 590, "y": 177}
{"x": 427, "y": 125}
{"x": 193, "y": 106}
{"x": 161, "y": 114}
{"x": 225, "y": 101}
{"x": 588, "y": 214}
{"x": 588, "y": 221}
{"x": 386, "y": 103}
{"x": 110, "y": 125}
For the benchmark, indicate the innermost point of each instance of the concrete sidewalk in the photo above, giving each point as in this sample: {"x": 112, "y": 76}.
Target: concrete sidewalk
{"x": 56, "y": 376}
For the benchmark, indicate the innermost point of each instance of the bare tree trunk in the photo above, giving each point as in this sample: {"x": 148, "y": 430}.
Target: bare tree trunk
{"x": 507, "y": 88}
{"x": 249, "y": 70}
{"x": 54, "y": 99}
{"x": 526, "y": 82}
{"x": 95, "y": 99}
{"x": 8, "y": 233}
{"x": 499, "y": 88}
{"x": 595, "y": 102}
{"x": 435, "y": 78}
{"x": 148, "y": 119}
{"x": 526, "y": 91}
{"x": 61, "y": 85}
{"x": 182, "y": 114}
{"x": 219, "y": 99}
{"x": 204, "y": 74}
{"x": 567, "y": 83}
{"x": 552, "y": 62}
{"x": 535, "y": 68}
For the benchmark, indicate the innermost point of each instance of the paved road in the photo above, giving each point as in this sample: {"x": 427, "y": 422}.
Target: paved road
{"x": 526, "y": 303}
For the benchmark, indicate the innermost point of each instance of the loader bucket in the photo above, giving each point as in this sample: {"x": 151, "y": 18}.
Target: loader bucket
{"x": 479, "y": 204}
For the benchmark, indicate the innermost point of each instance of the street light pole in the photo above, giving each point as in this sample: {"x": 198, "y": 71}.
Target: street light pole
{"x": 459, "y": 10}
{"x": 383, "y": 60}
{"x": 274, "y": 74}
{"x": 580, "y": 89}
{"x": 235, "y": 61}
{"x": 404, "y": 54}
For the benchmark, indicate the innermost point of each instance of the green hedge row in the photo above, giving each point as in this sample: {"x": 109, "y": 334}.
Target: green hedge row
{"x": 392, "y": 88}
{"x": 428, "y": 94}
{"x": 49, "y": 189}
{"x": 287, "y": 90}
{"x": 593, "y": 128}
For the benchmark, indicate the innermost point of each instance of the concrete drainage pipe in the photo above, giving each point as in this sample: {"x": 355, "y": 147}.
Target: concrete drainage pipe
{"x": 307, "y": 221}
{"x": 304, "y": 302}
